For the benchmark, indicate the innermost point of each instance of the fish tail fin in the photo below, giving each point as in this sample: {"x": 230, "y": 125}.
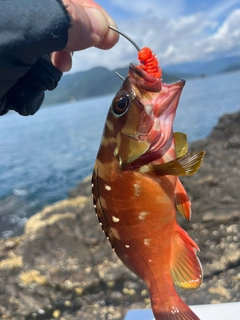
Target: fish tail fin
{"x": 173, "y": 308}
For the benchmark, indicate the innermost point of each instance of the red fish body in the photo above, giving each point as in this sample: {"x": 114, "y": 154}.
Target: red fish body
{"x": 136, "y": 190}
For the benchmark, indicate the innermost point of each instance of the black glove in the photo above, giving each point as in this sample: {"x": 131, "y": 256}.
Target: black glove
{"x": 27, "y": 95}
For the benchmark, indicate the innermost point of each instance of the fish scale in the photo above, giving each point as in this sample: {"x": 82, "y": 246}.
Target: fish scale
{"x": 136, "y": 189}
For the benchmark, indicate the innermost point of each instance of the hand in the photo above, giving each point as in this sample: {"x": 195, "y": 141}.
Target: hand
{"x": 89, "y": 29}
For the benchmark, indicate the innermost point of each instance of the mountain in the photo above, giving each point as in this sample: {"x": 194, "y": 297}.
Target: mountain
{"x": 101, "y": 81}
{"x": 200, "y": 68}
{"x": 87, "y": 84}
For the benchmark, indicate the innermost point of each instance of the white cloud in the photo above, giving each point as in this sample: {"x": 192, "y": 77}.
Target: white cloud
{"x": 221, "y": 7}
{"x": 174, "y": 40}
{"x": 226, "y": 37}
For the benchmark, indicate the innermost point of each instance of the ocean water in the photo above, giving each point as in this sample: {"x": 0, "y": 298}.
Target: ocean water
{"x": 44, "y": 156}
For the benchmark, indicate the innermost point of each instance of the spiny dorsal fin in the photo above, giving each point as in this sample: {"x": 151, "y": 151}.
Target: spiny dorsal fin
{"x": 182, "y": 202}
{"x": 184, "y": 166}
{"x": 186, "y": 269}
{"x": 181, "y": 144}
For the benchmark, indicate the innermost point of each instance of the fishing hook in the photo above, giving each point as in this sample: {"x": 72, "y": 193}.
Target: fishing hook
{"x": 121, "y": 77}
{"x": 125, "y": 36}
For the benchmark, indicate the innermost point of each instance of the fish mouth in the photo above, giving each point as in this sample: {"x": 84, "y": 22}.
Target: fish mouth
{"x": 147, "y": 133}
{"x": 165, "y": 112}
{"x": 160, "y": 136}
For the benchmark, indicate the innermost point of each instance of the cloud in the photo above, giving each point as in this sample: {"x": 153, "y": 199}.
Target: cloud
{"x": 220, "y": 8}
{"x": 175, "y": 39}
{"x": 227, "y": 36}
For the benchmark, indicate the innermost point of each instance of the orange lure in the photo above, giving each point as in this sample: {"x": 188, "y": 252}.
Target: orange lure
{"x": 136, "y": 188}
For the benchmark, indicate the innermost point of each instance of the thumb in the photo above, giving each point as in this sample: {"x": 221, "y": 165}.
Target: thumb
{"x": 89, "y": 26}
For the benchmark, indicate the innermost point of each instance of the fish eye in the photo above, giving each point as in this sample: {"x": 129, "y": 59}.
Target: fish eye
{"x": 120, "y": 104}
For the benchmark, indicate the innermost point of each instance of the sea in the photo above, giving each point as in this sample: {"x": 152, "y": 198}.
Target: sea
{"x": 46, "y": 155}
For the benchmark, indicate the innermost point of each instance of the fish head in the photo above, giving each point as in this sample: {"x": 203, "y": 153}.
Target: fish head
{"x": 142, "y": 114}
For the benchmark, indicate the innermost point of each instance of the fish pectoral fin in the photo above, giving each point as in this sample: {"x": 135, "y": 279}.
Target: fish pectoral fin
{"x": 186, "y": 269}
{"x": 129, "y": 149}
{"x": 181, "y": 144}
{"x": 182, "y": 202}
{"x": 184, "y": 166}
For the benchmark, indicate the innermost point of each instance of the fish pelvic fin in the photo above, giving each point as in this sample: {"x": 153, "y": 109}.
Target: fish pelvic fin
{"x": 182, "y": 202}
{"x": 183, "y": 166}
{"x": 181, "y": 144}
{"x": 186, "y": 269}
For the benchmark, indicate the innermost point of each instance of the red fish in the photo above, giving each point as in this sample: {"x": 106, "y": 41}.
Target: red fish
{"x": 136, "y": 188}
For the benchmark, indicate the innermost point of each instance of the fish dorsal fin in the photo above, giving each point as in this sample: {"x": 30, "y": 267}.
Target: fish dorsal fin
{"x": 186, "y": 269}
{"x": 182, "y": 202}
{"x": 184, "y": 166}
{"x": 181, "y": 144}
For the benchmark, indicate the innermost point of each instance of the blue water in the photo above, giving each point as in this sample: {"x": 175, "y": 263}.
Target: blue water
{"x": 44, "y": 156}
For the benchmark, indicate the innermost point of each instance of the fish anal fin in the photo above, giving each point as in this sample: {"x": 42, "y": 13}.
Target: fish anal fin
{"x": 186, "y": 268}
{"x": 182, "y": 202}
{"x": 181, "y": 144}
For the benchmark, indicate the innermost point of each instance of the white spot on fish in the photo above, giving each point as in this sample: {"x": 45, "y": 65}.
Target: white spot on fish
{"x": 104, "y": 141}
{"x": 92, "y": 185}
{"x": 174, "y": 310}
{"x": 108, "y": 188}
{"x": 115, "y": 233}
{"x": 109, "y": 125}
{"x": 94, "y": 206}
{"x": 162, "y": 199}
{"x": 127, "y": 246}
{"x": 103, "y": 202}
{"x": 137, "y": 189}
{"x": 142, "y": 215}
{"x": 115, "y": 152}
{"x": 107, "y": 141}
{"x": 149, "y": 260}
{"x": 115, "y": 219}
{"x": 149, "y": 109}
{"x": 157, "y": 125}
{"x": 146, "y": 242}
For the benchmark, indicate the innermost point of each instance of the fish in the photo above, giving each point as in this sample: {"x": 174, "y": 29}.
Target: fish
{"x": 137, "y": 191}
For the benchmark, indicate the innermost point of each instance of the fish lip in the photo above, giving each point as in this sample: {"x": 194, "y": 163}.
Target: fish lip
{"x": 140, "y": 72}
{"x": 182, "y": 82}
{"x": 144, "y": 80}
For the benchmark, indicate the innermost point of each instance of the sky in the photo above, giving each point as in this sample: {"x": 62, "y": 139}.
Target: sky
{"x": 177, "y": 31}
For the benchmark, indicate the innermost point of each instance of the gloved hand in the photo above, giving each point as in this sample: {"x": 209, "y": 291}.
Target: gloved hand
{"x": 27, "y": 95}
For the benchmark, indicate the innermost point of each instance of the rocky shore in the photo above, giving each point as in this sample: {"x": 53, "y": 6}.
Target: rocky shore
{"x": 63, "y": 267}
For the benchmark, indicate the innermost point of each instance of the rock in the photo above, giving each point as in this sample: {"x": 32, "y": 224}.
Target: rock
{"x": 63, "y": 267}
